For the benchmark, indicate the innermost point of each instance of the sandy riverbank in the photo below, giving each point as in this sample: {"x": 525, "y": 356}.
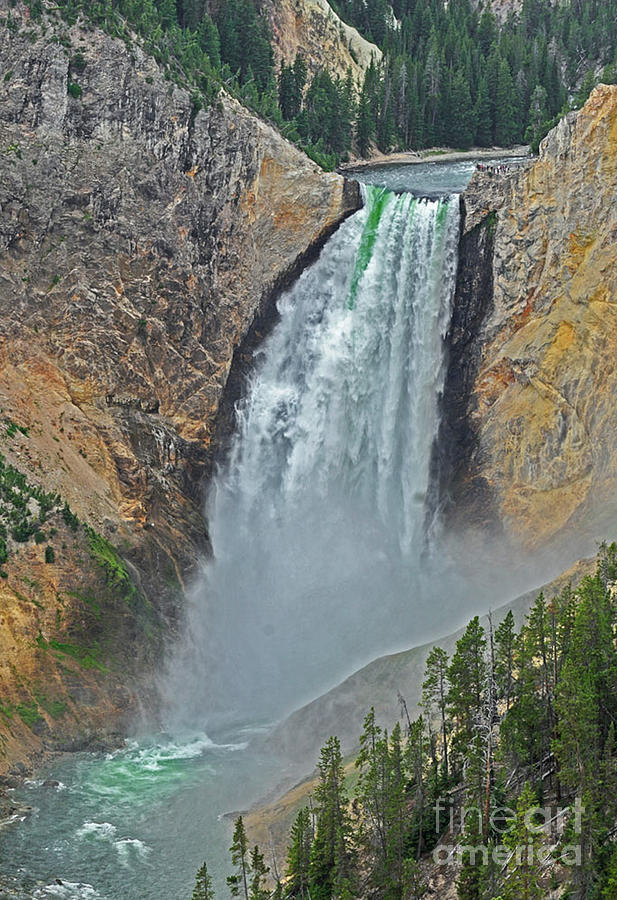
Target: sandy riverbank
{"x": 436, "y": 156}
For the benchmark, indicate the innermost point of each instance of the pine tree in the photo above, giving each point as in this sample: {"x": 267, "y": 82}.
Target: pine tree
{"x": 467, "y": 678}
{"x": 382, "y": 795}
{"x": 238, "y": 883}
{"x": 524, "y": 840}
{"x": 586, "y": 705}
{"x": 287, "y": 92}
{"x": 365, "y": 124}
{"x": 415, "y": 760}
{"x": 505, "y": 643}
{"x": 396, "y": 817}
{"x": 259, "y": 872}
{"x": 483, "y": 117}
{"x": 473, "y": 849}
{"x": 203, "y": 885}
{"x": 434, "y": 691}
{"x": 300, "y": 75}
{"x": 331, "y": 856}
{"x": 299, "y": 855}
{"x": 506, "y": 125}
{"x": 413, "y": 887}
{"x": 462, "y": 120}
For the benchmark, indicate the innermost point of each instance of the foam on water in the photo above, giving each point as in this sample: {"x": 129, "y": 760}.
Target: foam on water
{"x": 68, "y": 891}
{"x": 131, "y": 849}
{"x": 102, "y": 831}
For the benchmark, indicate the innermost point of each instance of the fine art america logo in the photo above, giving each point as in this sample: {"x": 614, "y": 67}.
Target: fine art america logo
{"x": 536, "y": 842}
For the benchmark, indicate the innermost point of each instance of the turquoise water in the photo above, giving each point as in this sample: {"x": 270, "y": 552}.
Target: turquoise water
{"x": 136, "y": 823}
{"x": 429, "y": 178}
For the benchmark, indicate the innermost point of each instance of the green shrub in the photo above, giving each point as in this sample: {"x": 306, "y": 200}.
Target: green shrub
{"x": 116, "y": 571}
{"x": 29, "y": 713}
{"x": 55, "y": 708}
{"x": 70, "y": 518}
{"x": 75, "y": 90}
{"x": 78, "y": 62}
{"x": 12, "y": 428}
{"x": 22, "y": 531}
{"x": 50, "y": 556}
{"x": 88, "y": 657}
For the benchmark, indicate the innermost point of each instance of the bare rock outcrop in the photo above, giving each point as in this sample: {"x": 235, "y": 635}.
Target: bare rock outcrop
{"x": 141, "y": 239}
{"x": 538, "y": 452}
{"x": 312, "y": 28}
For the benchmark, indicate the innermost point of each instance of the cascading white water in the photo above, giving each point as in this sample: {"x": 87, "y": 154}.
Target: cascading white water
{"x": 318, "y": 519}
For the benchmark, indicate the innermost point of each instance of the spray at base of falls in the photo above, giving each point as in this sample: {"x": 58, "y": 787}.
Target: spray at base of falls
{"x": 318, "y": 520}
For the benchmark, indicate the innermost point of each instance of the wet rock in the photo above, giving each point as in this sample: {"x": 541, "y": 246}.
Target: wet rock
{"x": 10, "y": 782}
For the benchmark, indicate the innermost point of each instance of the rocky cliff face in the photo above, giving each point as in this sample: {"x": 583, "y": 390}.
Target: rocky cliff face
{"x": 314, "y": 29}
{"x": 140, "y": 240}
{"x": 502, "y": 8}
{"x": 535, "y": 395}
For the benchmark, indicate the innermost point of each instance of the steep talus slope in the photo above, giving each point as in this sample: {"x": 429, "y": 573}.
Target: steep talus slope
{"x": 141, "y": 239}
{"x": 533, "y": 406}
{"x": 314, "y": 29}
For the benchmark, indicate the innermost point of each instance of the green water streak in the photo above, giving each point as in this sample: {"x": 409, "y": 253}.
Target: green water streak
{"x": 442, "y": 214}
{"x": 378, "y": 199}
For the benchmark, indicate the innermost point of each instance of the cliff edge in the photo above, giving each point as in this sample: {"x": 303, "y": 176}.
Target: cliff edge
{"x": 141, "y": 239}
{"x": 529, "y": 402}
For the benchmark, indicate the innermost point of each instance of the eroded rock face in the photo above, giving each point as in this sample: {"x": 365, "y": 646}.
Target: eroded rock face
{"x": 139, "y": 240}
{"x": 540, "y": 414}
{"x": 314, "y": 29}
{"x": 502, "y": 8}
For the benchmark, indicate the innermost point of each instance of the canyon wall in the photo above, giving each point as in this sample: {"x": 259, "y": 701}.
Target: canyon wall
{"x": 142, "y": 243}
{"x": 530, "y": 392}
{"x": 311, "y": 27}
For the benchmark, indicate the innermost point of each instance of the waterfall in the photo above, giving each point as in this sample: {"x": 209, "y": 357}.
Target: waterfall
{"x": 318, "y": 520}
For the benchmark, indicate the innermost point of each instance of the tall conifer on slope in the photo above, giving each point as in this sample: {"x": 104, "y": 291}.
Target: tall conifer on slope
{"x": 332, "y": 866}
{"x": 299, "y": 856}
{"x": 203, "y": 885}
{"x": 259, "y": 873}
{"x": 238, "y": 882}
{"x": 467, "y": 678}
{"x": 434, "y": 693}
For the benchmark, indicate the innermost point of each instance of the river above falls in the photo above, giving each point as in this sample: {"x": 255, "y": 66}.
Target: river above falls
{"x": 430, "y": 179}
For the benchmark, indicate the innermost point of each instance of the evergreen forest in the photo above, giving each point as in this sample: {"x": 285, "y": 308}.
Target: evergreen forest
{"x": 506, "y": 778}
{"x": 451, "y": 74}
